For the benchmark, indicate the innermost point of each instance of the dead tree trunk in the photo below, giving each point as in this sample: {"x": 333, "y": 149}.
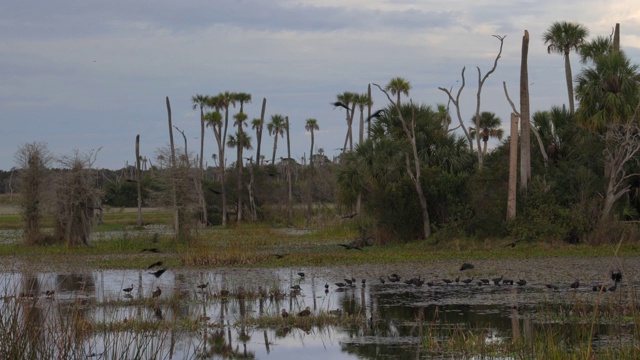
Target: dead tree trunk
{"x": 513, "y": 166}
{"x": 139, "y": 180}
{"x": 176, "y": 213}
{"x": 525, "y": 140}
{"x": 289, "y": 161}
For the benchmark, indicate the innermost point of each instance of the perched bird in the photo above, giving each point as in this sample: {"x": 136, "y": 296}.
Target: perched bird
{"x": 158, "y": 273}
{"x": 284, "y": 313}
{"x": 305, "y": 312}
{"x": 202, "y": 286}
{"x": 157, "y": 263}
{"x": 156, "y": 293}
{"x": 616, "y": 276}
{"x": 466, "y": 266}
{"x": 521, "y": 282}
{"x": 129, "y": 289}
{"x": 575, "y": 284}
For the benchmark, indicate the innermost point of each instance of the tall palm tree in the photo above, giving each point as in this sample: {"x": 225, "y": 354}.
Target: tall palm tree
{"x": 362, "y": 101}
{"x": 200, "y": 101}
{"x": 240, "y": 118}
{"x": 489, "y": 128}
{"x": 219, "y": 103}
{"x": 562, "y": 37}
{"x": 257, "y": 125}
{"x": 398, "y": 86}
{"x": 276, "y": 128}
{"x": 311, "y": 125}
{"x": 347, "y": 99}
{"x": 590, "y": 50}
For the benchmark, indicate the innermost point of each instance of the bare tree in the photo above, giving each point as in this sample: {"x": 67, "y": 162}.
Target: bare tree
{"x": 33, "y": 159}
{"x": 525, "y": 125}
{"x": 139, "y": 180}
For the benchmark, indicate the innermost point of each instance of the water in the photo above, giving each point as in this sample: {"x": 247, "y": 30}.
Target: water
{"x": 390, "y": 320}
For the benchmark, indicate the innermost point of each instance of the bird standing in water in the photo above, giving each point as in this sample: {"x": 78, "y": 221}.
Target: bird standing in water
{"x": 129, "y": 289}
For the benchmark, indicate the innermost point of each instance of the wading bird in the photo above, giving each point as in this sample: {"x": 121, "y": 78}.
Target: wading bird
{"x": 156, "y": 293}
{"x": 305, "y": 312}
{"x": 129, "y": 289}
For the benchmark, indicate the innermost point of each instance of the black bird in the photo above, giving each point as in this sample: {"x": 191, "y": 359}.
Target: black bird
{"x": 430, "y": 283}
{"x": 600, "y": 288}
{"x": 156, "y": 293}
{"x": 284, "y": 313}
{"x": 129, "y": 289}
{"x": 158, "y": 273}
{"x": 466, "y": 266}
{"x": 153, "y": 250}
{"x": 616, "y": 276}
{"x": 376, "y": 115}
{"x": 338, "y": 103}
{"x": 364, "y": 281}
{"x": 301, "y": 274}
{"x": 496, "y": 281}
{"x": 349, "y": 247}
{"x": 467, "y": 281}
{"x": 348, "y": 281}
{"x": 614, "y": 287}
{"x": 381, "y": 280}
{"x": 552, "y": 287}
{"x": 326, "y": 286}
{"x": 457, "y": 279}
{"x": 521, "y": 282}
{"x": 447, "y": 281}
{"x": 418, "y": 282}
{"x": 512, "y": 244}
{"x": 341, "y": 285}
{"x": 305, "y": 312}
{"x": 507, "y": 282}
{"x": 202, "y": 286}
{"x": 575, "y": 284}
{"x": 485, "y": 281}
{"x": 393, "y": 278}
{"x": 157, "y": 263}
{"x": 409, "y": 281}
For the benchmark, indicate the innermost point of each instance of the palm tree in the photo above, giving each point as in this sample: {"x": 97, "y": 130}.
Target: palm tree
{"x": 311, "y": 125}
{"x": 257, "y": 125}
{"x": 276, "y": 128}
{"x": 200, "y": 101}
{"x": 240, "y": 118}
{"x": 608, "y": 91}
{"x": 361, "y": 101}
{"x": 490, "y": 128}
{"x": 398, "y": 86}
{"x": 561, "y": 38}
{"x": 347, "y": 99}
{"x": 589, "y": 51}
{"x": 214, "y": 119}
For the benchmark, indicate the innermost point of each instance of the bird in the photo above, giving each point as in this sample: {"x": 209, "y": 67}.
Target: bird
{"x": 153, "y": 250}
{"x": 600, "y": 288}
{"x": 301, "y": 274}
{"x": 376, "y": 115}
{"x": 381, "y": 280}
{"x": 393, "y": 278}
{"x": 616, "y": 276}
{"x": 158, "y": 273}
{"x": 49, "y": 293}
{"x": 418, "y": 282}
{"x": 202, "y": 286}
{"x": 305, "y": 312}
{"x": 430, "y": 283}
{"x": 156, "y": 293}
{"x": 280, "y": 256}
{"x": 507, "y": 281}
{"x": 341, "y": 285}
{"x": 129, "y": 289}
{"x": 284, "y": 313}
{"x": 467, "y": 281}
{"x": 496, "y": 281}
{"x": 157, "y": 263}
{"x": 457, "y": 279}
{"x": 466, "y": 266}
{"x": 348, "y": 281}
{"x": 575, "y": 284}
{"x": 484, "y": 281}
{"x": 326, "y": 286}
{"x": 447, "y": 281}
{"x": 614, "y": 287}
{"x": 552, "y": 287}
{"x": 338, "y": 103}
{"x": 512, "y": 244}
{"x": 349, "y": 247}
{"x": 521, "y": 282}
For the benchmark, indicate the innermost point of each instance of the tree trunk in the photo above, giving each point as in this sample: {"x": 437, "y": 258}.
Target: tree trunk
{"x": 513, "y": 166}
{"x": 289, "y": 161}
{"x": 176, "y": 214}
{"x": 139, "y": 180}
{"x": 616, "y": 38}
{"x": 239, "y": 166}
{"x": 525, "y": 136}
{"x": 259, "y": 132}
{"x": 569, "y": 78}
{"x": 201, "y": 142}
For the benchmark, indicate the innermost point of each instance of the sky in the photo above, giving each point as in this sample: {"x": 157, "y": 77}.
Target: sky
{"x": 90, "y": 75}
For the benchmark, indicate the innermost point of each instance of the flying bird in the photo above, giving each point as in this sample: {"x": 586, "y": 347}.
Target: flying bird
{"x": 158, "y": 273}
{"x": 338, "y": 103}
{"x": 376, "y": 115}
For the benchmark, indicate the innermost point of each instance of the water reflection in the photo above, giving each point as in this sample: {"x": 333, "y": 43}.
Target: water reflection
{"x": 227, "y": 318}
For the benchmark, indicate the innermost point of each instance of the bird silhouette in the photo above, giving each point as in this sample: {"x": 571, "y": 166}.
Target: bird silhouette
{"x": 338, "y": 103}
{"x": 340, "y": 285}
{"x": 551, "y": 286}
{"x": 157, "y": 263}
{"x": 158, "y": 273}
{"x": 496, "y": 281}
{"x": 129, "y": 289}
{"x": 348, "y": 281}
{"x": 393, "y": 278}
{"x": 447, "y": 281}
{"x": 326, "y": 286}
{"x": 301, "y": 274}
{"x": 467, "y": 281}
{"x": 575, "y": 284}
{"x": 381, "y": 280}
{"x": 466, "y": 266}
{"x": 616, "y": 276}
{"x": 156, "y": 293}
{"x": 305, "y": 312}
{"x": 376, "y": 115}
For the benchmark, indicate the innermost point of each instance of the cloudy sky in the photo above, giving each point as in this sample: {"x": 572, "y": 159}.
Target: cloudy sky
{"x": 83, "y": 75}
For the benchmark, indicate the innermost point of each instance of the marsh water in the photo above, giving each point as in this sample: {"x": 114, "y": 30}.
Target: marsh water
{"x": 238, "y": 313}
